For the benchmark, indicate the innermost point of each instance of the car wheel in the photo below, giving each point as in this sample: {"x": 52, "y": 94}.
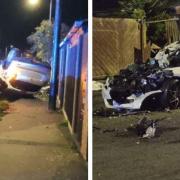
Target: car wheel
{"x": 171, "y": 94}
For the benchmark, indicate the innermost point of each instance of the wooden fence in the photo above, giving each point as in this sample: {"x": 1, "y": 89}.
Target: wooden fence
{"x": 120, "y": 42}
{"x": 72, "y": 93}
{"x": 116, "y": 43}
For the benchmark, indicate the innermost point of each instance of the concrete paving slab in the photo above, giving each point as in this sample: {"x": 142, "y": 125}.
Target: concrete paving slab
{"x": 36, "y": 144}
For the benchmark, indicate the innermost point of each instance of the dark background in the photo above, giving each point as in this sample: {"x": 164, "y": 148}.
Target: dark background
{"x": 104, "y": 6}
{"x": 17, "y": 20}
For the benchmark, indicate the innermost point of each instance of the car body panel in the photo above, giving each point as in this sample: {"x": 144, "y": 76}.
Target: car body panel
{"x": 25, "y": 71}
{"x": 136, "y": 100}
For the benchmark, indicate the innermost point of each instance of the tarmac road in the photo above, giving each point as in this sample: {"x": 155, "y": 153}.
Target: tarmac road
{"x": 119, "y": 154}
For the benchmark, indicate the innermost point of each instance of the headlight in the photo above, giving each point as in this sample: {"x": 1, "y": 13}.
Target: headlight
{"x": 12, "y": 73}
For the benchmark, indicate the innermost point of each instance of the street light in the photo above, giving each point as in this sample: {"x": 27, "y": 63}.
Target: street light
{"x": 33, "y": 2}
{"x": 55, "y": 55}
{"x": 50, "y": 10}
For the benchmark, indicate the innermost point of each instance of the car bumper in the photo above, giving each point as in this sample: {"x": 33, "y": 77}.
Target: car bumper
{"x": 135, "y": 100}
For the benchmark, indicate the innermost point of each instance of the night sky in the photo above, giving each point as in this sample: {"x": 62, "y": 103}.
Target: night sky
{"x": 104, "y": 5}
{"x": 18, "y": 20}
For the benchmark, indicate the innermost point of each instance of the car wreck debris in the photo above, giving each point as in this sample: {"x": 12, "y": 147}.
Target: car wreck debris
{"x": 97, "y": 86}
{"x": 106, "y": 112}
{"x": 146, "y": 128}
{"x": 157, "y": 80}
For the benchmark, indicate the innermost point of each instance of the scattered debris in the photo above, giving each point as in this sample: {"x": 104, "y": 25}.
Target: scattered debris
{"x": 150, "y": 131}
{"x": 167, "y": 110}
{"x": 43, "y": 94}
{"x": 97, "y": 86}
{"x": 96, "y": 128}
{"x": 146, "y": 127}
{"x": 109, "y": 130}
{"x": 105, "y": 112}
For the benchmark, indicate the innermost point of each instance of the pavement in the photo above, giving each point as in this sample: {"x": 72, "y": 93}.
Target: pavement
{"x": 36, "y": 144}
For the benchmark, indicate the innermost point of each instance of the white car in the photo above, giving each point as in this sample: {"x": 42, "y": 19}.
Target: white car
{"x": 155, "y": 82}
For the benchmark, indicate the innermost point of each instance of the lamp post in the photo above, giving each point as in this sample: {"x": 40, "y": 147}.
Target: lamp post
{"x": 50, "y": 10}
{"x": 55, "y": 60}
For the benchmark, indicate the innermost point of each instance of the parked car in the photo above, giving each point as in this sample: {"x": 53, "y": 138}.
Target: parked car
{"x": 23, "y": 73}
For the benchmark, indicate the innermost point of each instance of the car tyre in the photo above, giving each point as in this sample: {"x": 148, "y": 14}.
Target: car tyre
{"x": 171, "y": 94}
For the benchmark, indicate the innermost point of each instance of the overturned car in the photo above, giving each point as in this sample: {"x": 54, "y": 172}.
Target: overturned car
{"x": 23, "y": 73}
{"x": 154, "y": 83}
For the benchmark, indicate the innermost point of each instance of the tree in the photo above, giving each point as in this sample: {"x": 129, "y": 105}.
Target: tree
{"x": 149, "y": 9}
{"x": 140, "y": 9}
{"x": 41, "y": 40}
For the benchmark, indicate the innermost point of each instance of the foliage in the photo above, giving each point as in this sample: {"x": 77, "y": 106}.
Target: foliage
{"x": 149, "y": 9}
{"x": 4, "y": 106}
{"x": 156, "y": 33}
{"x": 41, "y": 40}
{"x": 139, "y": 14}
{"x": 142, "y": 9}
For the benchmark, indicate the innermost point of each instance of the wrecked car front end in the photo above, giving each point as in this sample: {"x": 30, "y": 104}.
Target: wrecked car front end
{"x": 131, "y": 92}
{"x": 157, "y": 80}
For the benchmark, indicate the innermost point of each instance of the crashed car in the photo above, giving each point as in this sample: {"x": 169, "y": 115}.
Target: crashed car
{"x": 23, "y": 73}
{"x": 157, "y": 81}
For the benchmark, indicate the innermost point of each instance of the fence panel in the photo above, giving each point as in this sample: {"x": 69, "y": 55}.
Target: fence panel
{"x": 72, "y": 80}
{"x": 115, "y": 42}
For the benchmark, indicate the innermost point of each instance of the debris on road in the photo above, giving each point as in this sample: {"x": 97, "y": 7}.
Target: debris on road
{"x": 97, "y": 86}
{"x": 146, "y": 127}
{"x": 105, "y": 112}
{"x": 43, "y": 94}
